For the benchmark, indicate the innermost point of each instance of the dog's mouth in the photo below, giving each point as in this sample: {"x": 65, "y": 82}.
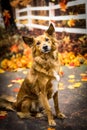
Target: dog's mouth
{"x": 46, "y": 49}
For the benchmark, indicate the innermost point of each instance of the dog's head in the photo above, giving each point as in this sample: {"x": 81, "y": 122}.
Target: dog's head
{"x": 44, "y": 43}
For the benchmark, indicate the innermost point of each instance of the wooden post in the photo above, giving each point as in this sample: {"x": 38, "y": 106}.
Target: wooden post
{"x": 51, "y": 13}
{"x": 29, "y": 13}
{"x": 17, "y": 17}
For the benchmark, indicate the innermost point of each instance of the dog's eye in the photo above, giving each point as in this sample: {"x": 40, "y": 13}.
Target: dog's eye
{"x": 38, "y": 43}
{"x": 46, "y": 39}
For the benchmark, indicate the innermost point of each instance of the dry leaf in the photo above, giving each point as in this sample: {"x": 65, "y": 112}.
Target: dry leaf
{"x": 66, "y": 39}
{"x": 16, "y": 90}
{"x": 24, "y": 72}
{"x": 2, "y": 71}
{"x": 84, "y": 78}
{"x": 10, "y": 85}
{"x": 17, "y": 80}
{"x": 77, "y": 85}
{"x": 70, "y": 87}
{"x": 3, "y": 114}
{"x": 83, "y": 74}
{"x": 71, "y": 76}
{"x": 63, "y": 5}
{"x": 71, "y": 22}
{"x": 51, "y": 128}
{"x": 71, "y": 80}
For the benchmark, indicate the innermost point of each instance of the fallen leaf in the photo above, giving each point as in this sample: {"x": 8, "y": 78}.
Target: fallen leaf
{"x": 71, "y": 76}
{"x": 84, "y": 78}
{"x": 70, "y": 87}
{"x": 13, "y": 81}
{"x": 16, "y": 90}
{"x": 51, "y": 128}
{"x": 18, "y": 80}
{"x": 10, "y": 85}
{"x": 2, "y": 71}
{"x": 24, "y": 72}
{"x": 3, "y": 114}
{"x": 71, "y": 80}
{"x": 83, "y": 74}
{"x": 77, "y": 85}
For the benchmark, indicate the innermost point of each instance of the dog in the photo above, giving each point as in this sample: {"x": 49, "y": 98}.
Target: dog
{"x": 41, "y": 83}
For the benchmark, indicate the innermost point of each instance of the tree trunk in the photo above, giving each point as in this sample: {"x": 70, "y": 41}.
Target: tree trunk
{"x": 8, "y": 15}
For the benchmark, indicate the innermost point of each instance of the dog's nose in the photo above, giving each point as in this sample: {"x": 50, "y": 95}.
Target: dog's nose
{"x": 45, "y": 47}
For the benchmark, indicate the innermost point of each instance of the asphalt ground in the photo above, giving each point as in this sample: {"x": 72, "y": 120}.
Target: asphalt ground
{"x": 72, "y": 100}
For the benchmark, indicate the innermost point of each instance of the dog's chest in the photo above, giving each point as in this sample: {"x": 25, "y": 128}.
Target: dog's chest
{"x": 55, "y": 82}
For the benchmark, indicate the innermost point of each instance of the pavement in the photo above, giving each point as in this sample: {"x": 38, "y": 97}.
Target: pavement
{"x": 72, "y": 100}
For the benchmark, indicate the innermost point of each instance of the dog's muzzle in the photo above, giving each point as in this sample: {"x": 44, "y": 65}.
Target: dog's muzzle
{"x": 46, "y": 48}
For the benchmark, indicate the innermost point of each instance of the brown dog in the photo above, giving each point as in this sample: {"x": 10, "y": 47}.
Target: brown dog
{"x": 41, "y": 83}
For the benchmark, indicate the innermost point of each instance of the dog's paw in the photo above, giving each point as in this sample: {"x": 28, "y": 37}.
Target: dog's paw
{"x": 52, "y": 122}
{"x": 38, "y": 115}
{"x": 61, "y": 115}
{"x": 23, "y": 115}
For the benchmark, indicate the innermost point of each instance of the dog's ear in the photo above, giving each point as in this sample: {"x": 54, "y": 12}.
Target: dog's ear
{"x": 28, "y": 40}
{"x": 51, "y": 29}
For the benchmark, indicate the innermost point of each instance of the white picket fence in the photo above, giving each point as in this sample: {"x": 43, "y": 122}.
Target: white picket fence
{"x": 51, "y": 8}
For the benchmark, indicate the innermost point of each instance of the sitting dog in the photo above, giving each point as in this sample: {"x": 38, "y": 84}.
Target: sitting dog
{"x": 41, "y": 83}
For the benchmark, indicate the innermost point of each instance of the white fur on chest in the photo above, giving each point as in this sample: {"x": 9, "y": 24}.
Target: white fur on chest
{"x": 55, "y": 82}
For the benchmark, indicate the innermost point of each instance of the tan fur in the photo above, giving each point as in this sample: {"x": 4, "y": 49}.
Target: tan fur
{"x": 38, "y": 86}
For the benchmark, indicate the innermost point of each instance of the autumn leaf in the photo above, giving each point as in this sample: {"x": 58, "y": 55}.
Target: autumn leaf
{"x": 84, "y": 78}
{"x": 71, "y": 76}
{"x": 63, "y": 5}
{"x": 2, "y": 71}
{"x": 17, "y": 80}
{"x": 61, "y": 86}
{"x": 16, "y": 3}
{"x": 83, "y": 38}
{"x": 16, "y": 90}
{"x": 51, "y": 128}
{"x": 71, "y": 22}
{"x": 77, "y": 85}
{"x": 24, "y": 72}
{"x": 3, "y": 114}
{"x": 10, "y": 85}
{"x": 14, "y": 48}
{"x": 83, "y": 74}
{"x": 66, "y": 39}
{"x": 71, "y": 80}
{"x": 70, "y": 87}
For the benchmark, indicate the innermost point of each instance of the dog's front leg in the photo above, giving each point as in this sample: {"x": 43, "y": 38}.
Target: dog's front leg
{"x": 56, "y": 106}
{"x": 45, "y": 103}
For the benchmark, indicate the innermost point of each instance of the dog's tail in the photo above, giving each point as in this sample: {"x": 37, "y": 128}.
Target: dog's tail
{"x": 6, "y": 104}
